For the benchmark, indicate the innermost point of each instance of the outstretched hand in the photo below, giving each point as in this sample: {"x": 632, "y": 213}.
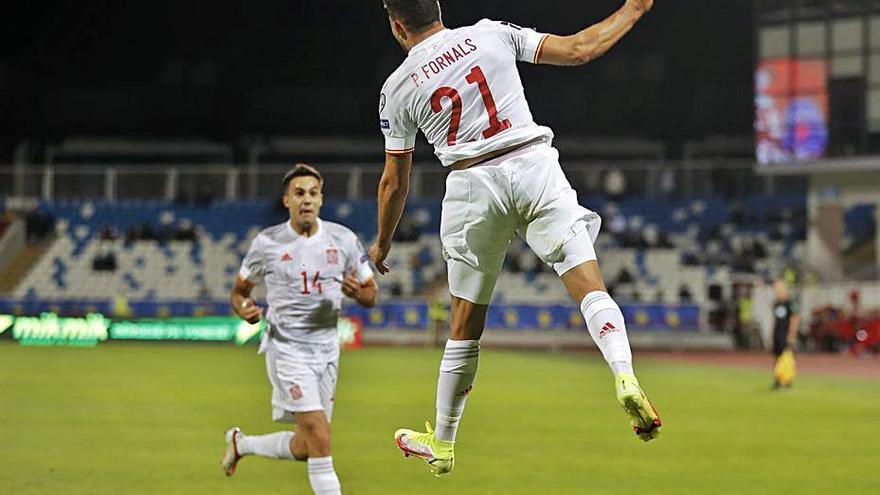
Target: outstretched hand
{"x": 377, "y": 255}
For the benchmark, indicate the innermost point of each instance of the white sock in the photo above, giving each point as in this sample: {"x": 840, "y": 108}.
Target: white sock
{"x": 457, "y": 372}
{"x": 275, "y": 445}
{"x": 605, "y": 322}
{"x": 323, "y": 477}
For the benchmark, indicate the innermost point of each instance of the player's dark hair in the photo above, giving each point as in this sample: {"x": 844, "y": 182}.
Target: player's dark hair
{"x": 300, "y": 170}
{"x": 416, "y": 15}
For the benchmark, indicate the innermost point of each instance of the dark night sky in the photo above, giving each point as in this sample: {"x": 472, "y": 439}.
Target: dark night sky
{"x": 223, "y": 69}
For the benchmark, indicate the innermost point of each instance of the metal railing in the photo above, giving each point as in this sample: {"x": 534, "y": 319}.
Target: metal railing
{"x": 649, "y": 179}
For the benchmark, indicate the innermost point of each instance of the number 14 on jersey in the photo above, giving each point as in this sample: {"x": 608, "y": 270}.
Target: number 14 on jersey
{"x": 315, "y": 282}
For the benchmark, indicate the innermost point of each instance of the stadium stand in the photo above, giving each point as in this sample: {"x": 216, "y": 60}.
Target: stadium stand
{"x": 167, "y": 252}
{"x": 652, "y": 250}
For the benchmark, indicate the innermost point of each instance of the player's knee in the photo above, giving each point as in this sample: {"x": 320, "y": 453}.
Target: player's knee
{"x": 319, "y": 444}
{"x": 299, "y": 448}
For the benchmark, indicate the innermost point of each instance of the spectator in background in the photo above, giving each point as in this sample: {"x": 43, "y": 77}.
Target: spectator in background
{"x": 659, "y": 295}
{"x": 104, "y": 261}
{"x": 743, "y": 262}
{"x": 39, "y": 224}
{"x": 737, "y": 213}
{"x": 140, "y": 232}
{"x": 204, "y": 196}
{"x": 204, "y": 292}
{"x": 615, "y": 184}
{"x": 616, "y": 223}
{"x": 108, "y": 233}
{"x": 623, "y": 277}
{"x": 406, "y": 230}
{"x": 667, "y": 182}
{"x": 684, "y": 294}
{"x": 121, "y": 308}
{"x": 395, "y": 289}
{"x": 635, "y": 296}
{"x": 758, "y": 250}
{"x": 742, "y": 329}
{"x": 185, "y": 232}
{"x": 689, "y": 258}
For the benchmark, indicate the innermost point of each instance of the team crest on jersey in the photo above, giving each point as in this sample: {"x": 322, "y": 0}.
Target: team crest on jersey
{"x": 332, "y": 256}
{"x": 285, "y": 257}
{"x": 296, "y": 393}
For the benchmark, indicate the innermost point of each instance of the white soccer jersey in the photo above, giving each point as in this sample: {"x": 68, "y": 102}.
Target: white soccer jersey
{"x": 461, "y": 87}
{"x": 304, "y": 277}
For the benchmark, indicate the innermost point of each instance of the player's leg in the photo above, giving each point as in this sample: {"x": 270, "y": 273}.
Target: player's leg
{"x": 478, "y": 222}
{"x": 277, "y": 445}
{"x": 476, "y": 228}
{"x": 458, "y": 368}
{"x": 322, "y": 474}
{"x": 601, "y": 314}
{"x": 299, "y": 448}
{"x": 607, "y": 327}
{"x": 308, "y": 375}
{"x": 315, "y": 429}
{"x": 561, "y": 232}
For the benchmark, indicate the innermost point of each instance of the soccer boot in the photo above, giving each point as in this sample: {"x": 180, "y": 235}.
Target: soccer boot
{"x": 439, "y": 454}
{"x": 643, "y": 416}
{"x": 231, "y": 455}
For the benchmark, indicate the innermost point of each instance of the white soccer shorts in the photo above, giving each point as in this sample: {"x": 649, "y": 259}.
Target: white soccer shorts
{"x": 303, "y": 378}
{"x": 524, "y": 191}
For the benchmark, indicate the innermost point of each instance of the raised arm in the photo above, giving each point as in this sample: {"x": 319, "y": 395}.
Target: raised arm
{"x": 592, "y": 42}
{"x": 393, "y": 189}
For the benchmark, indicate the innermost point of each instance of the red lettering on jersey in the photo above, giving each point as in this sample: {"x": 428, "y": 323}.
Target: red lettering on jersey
{"x": 446, "y": 59}
{"x": 415, "y": 79}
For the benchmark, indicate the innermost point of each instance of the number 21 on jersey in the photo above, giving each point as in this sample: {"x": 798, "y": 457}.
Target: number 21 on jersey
{"x": 477, "y": 77}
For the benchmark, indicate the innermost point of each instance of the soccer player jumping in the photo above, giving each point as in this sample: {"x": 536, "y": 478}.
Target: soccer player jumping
{"x": 461, "y": 88}
{"x": 307, "y": 265}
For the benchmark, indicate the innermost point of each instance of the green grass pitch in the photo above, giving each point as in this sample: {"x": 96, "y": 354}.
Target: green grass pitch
{"x": 149, "y": 418}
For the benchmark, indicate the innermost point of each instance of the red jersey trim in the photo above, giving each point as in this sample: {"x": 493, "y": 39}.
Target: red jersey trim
{"x": 540, "y": 47}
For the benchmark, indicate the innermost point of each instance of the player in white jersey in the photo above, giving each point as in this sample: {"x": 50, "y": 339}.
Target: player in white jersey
{"x": 308, "y": 265}
{"x": 462, "y": 89}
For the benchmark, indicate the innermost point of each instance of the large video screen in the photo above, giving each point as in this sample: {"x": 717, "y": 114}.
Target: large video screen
{"x": 791, "y": 110}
